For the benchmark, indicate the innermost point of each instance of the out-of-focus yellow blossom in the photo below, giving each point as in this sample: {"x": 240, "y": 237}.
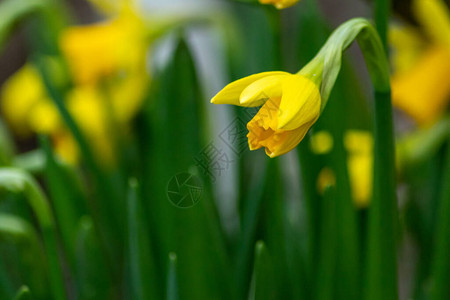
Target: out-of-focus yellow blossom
{"x": 44, "y": 117}
{"x": 279, "y": 4}
{"x": 420, "y": 84}
{"x": 321, "y": 142}
{"x": 359, "y": 146}
{"x": 87, "y": 106}
{"x": 325, "y": 179}
{"x": 107, "y": 63}
{"x": 290, "y": 106}
{"x": 19, "y": 95}
{"x": 65, "y": 147}
{"x": 111, "y": 54}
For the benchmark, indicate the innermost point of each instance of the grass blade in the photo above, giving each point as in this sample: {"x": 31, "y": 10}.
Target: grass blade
{"x": 143, "y": 283}
{"x": 18, "y": 181}
{"x": 23, "y": 294}
{"x": 172, "y": 281}
{"x": 263, "y": 285}
{"x": 441, "y": 260}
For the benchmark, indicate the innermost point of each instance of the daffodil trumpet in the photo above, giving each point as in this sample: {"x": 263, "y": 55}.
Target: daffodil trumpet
{"x": 292, "y": 103}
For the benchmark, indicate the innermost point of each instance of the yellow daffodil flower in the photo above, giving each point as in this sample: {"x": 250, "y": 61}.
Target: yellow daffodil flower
{"x": 420, "y": 84}
{"x": 291, "y": 103}
{"x": 279, "y": 4}
{"x": 290, "y": 106}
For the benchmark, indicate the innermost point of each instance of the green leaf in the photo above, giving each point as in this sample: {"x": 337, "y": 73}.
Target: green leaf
{"x": 16, "y": 180}
{"x": 12, "y": 12}
{"x": 441, "y": 259}
{"x": 263, "y": 284}
{"x": 175, "y": 128}
{"x": 31, "y": 262}
{"x": 6, "y": 145}
{"x": 106, "y": 203}
{"x": 326, "y": 267}
{"x": 67, "y": 205}
{"x": 94, "y": 278}
{"x": 23, "y": 294}
{"x": 172, "y": 281}
{"x": 383, "y": 216}
{"x": 32, "y": 161}
{"x": 253, "y": 192}
{"x": 143, "y": 281}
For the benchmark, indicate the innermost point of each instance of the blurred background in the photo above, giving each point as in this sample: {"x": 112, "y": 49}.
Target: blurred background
{"x": 119, "y": 179}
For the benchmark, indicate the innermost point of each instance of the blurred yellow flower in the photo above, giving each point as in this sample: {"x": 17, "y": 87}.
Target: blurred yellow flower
{"x": 359, "y": 146}
{"x": 111, "y": 54}
{"x": 107, "y": 62}
{"x": 65, "y": 147}
{"x": 321, "y": 142}
{"x": 280, "y": 4}
{"x": 325, "y": 179}
{"x": 420, "y": 84}
{"x": 290, "y": 106}
{"x": 20, "y": 93}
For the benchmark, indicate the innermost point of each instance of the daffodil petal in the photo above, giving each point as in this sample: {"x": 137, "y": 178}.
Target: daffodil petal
{"x": 232, "y": 92}
{"x": 261, "y": 90}
{"x": 424, "y": 92}
{"x": 434, "y": 16}
{"x": 300, "y": 102}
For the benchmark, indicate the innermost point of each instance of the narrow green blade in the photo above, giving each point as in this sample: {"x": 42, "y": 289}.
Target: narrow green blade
{"x": 263, "y": 285}
{"x": 23, "y": 294}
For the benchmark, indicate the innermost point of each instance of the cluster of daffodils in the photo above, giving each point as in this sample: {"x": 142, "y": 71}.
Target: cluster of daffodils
{"x": 292, "y": 103}
{"x": 421, "y": 61}
{"x": 106, "y": 61}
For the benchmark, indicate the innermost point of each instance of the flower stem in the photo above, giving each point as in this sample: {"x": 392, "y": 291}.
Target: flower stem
{"x": 382, "y": 253}
{"x": 441, "y": 263}
{"x": 381, "y": 265}
{"x": 382, "y": 11}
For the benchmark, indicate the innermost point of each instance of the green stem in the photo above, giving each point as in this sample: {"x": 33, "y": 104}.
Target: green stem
{"x": 383, "y": 215}
{"x": 23, "y": 293}
{"x": 382, "y": 11}
{"x": 105, "y": 204}
{"x": 382, "y": 263}
{"x": 172, "y": 281}
{"x": 142, "y": 281}
{"x": 441, "y": 260}
{"x": 381, "y": 281}
{"x": 326, "y": 267}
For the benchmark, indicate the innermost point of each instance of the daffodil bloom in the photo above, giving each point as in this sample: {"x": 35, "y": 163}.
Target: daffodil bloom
{"x": 279, "y": 4}
{"x": 292, "y": 103}
{"x": 290, "y": 106}
{"x": 420, "y": 84}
